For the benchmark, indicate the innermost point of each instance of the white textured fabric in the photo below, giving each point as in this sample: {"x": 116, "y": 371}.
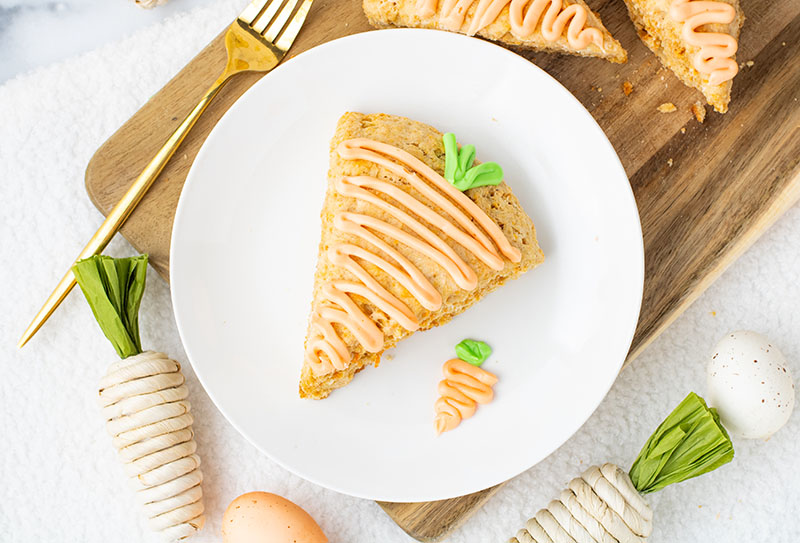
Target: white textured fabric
{"x": 61, "y": 481}
{"x": 148, "y": 415}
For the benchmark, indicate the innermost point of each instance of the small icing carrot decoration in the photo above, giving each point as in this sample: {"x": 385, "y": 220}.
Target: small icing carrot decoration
{"x": 465, "y": 385}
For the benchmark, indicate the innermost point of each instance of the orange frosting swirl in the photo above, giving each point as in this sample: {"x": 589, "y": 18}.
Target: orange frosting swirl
{"x": 716, "y": 48}
{"x": 457, "y": 216}
{"x": 524, "y": 16}
{"x": 464, "y": 387}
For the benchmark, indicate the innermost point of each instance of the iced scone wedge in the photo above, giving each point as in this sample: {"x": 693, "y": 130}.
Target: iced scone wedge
{"x": 560, "y": 26}
{"x": 696, "y": 39}
{"x": 402, "y": 248}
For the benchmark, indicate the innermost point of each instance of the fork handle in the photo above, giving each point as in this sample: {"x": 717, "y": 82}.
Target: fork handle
{"x": 116, "y": 218}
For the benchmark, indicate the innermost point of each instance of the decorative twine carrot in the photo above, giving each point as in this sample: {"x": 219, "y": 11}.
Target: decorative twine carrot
{"x": 605, "y": 504}
{"x": 144, "y": 401}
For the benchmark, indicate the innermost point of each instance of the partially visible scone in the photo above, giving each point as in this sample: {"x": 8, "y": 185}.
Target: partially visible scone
{"x": 412, "y": 13}
{"x": 423, "y": 143}
{"x": 664, "y": 35}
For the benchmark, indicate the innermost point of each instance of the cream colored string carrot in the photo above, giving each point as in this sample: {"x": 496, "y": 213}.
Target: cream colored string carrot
{"x": 605, "y": 504}
{"x": 144, "y": 401}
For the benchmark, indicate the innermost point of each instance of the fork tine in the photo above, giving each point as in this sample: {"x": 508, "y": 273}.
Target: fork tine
{"x": 294, "y": 26}
{"x": 252, "y": 10}
{"x": 277, "y": 25}
{"x": 267, "y": 16}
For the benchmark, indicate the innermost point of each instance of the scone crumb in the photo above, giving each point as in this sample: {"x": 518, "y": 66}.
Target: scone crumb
{"x": 667, "y": 107}
{"x": 627, "y": 88}
{"x": 683, "y": 130}
{"x": 669, "y": 163}
{"x": 699, "y": 111}
{"x": 750, "y": 63}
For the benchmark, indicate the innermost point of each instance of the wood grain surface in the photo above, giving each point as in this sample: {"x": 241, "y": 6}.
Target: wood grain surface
{"x": 705, "y": 191}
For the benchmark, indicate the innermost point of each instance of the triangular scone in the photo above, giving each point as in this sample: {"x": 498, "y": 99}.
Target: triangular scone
{"x": 562, "y": 26}
{"x": 663, "y": 29}
{"x": 395, "y": 200}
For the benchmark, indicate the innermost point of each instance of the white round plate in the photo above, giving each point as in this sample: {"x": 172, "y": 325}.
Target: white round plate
{"x": 244, "y": 250}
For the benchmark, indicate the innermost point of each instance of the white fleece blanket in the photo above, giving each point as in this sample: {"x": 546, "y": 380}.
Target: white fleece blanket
{"x": 59, "y": 477}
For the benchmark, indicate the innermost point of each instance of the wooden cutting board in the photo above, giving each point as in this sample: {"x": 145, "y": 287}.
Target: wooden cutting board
{"x": 705, "y": 191}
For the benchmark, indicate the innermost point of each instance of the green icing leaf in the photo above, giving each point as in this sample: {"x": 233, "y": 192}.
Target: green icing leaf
{"x": 474, "y": 352}
{"x": 114, "y": 288}
{"x": 487, "y": 173}
{"x": 690, "y": 442}
{"x": 458, "y": 167}
{"x": 450, "y": 156}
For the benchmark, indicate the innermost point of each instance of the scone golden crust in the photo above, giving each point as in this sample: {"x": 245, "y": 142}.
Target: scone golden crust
{"x": 425, "y": 144}
{"x": 406, "y": 13}
{"x": 663, "y": 35}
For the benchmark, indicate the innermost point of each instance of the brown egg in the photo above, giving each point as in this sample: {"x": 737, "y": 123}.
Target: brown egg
{"x": 261, "y": 517}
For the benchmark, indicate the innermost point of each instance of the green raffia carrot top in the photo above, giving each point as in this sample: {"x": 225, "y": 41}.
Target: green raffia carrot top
{"x": 114, "y": 288}
{"x": 690, "y": 442}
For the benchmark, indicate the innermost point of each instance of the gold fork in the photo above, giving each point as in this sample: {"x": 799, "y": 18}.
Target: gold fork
{"x": 256, "y": 41}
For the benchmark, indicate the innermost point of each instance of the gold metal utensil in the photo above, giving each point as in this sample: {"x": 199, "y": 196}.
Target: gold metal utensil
{"x": 256, "y": 41}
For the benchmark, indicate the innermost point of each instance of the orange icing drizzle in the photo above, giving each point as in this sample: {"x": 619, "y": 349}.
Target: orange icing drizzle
{"x": 466, "y": 224}
{"x": 715, "y": 47}
{"x": 464, "y": 387}
{"x": 524, "y": 17}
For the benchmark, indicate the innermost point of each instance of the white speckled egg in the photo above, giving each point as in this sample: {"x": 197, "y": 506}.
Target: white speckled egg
{"x": 750, "y": 385}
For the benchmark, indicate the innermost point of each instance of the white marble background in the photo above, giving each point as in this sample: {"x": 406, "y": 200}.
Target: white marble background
{"x": 36, "y": 33}
{"x": 59, "y": 478}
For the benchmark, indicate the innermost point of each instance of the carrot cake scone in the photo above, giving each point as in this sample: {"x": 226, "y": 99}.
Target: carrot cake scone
{"x": 696, "y": 39}
{"x": 414, "y": 231}
{"x": 561, "y": 26}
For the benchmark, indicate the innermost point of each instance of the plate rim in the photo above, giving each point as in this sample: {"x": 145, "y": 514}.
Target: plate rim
{"x": 489, "y": 46}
